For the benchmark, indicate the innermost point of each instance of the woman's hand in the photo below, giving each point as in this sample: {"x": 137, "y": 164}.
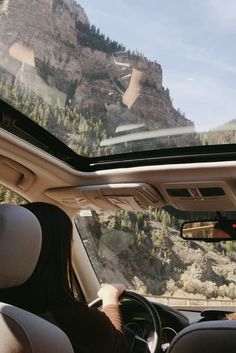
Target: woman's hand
{"x": 109, "y": 293}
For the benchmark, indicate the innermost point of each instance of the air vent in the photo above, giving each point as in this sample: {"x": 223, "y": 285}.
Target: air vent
{"x": 150, "y": 194}
{"x": 179, "y": 192}
{"x": 198, "y": 196}
{"x": 132, "y": 196}
{"x": 211, "y": 192}
{"x": 139, "y": 203}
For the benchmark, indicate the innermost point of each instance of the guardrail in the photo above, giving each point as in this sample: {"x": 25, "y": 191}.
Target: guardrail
{"x": 193, "y": 302}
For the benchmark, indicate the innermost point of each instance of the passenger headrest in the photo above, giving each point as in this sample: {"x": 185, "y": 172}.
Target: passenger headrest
{"x": 206, "y": 337}
{"x": 23, "y": 332}
{"x": 20, "y": 244}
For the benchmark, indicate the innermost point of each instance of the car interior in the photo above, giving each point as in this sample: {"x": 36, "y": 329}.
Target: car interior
{"x": 88, "y": 125}
{"x": 37, "y": 175}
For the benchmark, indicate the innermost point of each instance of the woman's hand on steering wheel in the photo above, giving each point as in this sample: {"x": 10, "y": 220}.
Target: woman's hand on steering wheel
{"x": 154, "y": 340}
{"x": 110, "y": 293}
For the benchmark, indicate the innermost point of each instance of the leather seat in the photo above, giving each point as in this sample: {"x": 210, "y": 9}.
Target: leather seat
{"x": 20, "y": 244}
{"x": 206, "y": 337}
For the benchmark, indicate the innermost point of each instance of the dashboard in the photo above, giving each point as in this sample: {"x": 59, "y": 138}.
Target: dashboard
{"x": 138, "y": 320}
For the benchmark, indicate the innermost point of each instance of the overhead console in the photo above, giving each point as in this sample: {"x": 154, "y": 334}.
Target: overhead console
{"x": 200, "y": 196}
{"x": 122, "y": 196}
{"x": 186, "y": 196}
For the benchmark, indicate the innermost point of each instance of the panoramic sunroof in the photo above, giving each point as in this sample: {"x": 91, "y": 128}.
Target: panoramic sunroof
{"x": 76, "y": 72}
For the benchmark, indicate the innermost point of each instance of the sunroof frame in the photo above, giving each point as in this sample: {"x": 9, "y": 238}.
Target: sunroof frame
{"x": 23, "y": 127}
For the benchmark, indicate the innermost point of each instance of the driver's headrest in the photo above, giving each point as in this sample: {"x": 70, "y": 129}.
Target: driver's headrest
{"x": 20, "y": 244}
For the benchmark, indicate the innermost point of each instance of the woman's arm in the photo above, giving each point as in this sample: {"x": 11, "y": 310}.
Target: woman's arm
{"x": 91, "y": 330}
{"x": 109, "y": 293}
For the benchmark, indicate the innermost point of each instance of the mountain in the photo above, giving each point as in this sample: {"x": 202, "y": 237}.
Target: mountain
{"x": 51, "y": 49}
{"x": 170, "y": 266}
{"x": 223, "y": 134}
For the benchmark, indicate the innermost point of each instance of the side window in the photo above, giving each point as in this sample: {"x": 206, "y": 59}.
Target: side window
{"x": 8, "y": 196}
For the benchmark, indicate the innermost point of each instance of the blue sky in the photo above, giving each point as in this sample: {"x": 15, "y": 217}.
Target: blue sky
{"x": 194, "y": 41}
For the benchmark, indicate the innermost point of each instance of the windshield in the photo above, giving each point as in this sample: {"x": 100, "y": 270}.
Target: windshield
{"x": 110, "y": 77}
{"x": 145, "y": 252}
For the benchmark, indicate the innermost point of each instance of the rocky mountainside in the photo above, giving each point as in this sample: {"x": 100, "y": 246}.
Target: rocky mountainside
{"x": 50, "y": 48}
{"x": 223, "y": 134}
{"x": 153, "y": 259}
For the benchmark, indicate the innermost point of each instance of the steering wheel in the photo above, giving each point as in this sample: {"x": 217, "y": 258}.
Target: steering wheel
{"x": 154, "y": 340}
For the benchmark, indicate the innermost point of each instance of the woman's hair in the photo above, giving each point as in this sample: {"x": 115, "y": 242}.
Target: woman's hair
{"x": 52, "y": 280}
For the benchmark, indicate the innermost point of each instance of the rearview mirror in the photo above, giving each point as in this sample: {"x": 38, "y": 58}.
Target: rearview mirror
{"x": 209, "y": 230}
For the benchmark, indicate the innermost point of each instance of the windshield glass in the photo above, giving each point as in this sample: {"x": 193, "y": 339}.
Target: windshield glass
{"x": 145, "y": 252}
{"x": 110, "y": 77}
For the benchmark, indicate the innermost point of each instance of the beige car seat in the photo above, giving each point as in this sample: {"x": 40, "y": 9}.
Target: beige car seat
{"x": 20, "y": 244}
{"x": 206, "y": 337}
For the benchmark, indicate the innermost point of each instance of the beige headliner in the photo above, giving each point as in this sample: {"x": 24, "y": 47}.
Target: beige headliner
{"x": 52, "y": 173}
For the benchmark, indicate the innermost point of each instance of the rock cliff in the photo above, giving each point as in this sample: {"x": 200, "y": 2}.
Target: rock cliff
{"x": 73, "y": 64}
